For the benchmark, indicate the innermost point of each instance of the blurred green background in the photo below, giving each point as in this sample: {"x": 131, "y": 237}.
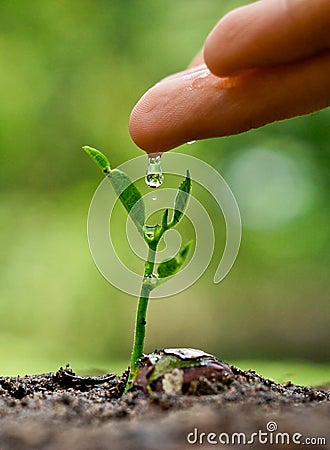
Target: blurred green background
{"x": 70, "y": 73}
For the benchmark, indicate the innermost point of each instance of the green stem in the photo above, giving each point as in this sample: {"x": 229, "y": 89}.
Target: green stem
{"x": 140, "y": 323}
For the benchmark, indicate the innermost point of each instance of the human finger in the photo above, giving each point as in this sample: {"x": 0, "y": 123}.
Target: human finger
{"x": 268, "y": 32}
{"x": 196, "y": 104}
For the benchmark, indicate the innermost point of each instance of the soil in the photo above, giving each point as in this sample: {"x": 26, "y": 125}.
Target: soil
{"x": 62, "y": 411}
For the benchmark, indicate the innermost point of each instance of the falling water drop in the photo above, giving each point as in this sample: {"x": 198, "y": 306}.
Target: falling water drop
{"x": 154, "y": 175}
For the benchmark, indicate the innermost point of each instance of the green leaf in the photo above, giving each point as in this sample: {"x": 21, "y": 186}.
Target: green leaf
{"x": 129, "y": 195}
{"x": 184, "y": 252}
{"x": 181, "y": 199}
{"x": 98, "y": 157}
{"x": 127, "y": 192}
{"x": 169, "y": 267}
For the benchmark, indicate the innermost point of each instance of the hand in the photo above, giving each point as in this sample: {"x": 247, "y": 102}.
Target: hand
{"x": 263, "y": 62}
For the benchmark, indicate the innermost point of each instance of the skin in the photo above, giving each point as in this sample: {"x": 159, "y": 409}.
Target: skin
{"x": 263, "y": 62}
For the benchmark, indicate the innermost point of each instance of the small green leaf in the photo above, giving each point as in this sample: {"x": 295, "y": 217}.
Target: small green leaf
{"x": 127, "y": 192}
{"x": 98, "y": 157}
{"x": 169, "y": 267}
{"x": 184, "y": 252}
{"x": 181, "y": 199}
{"x": 129, "y": 195}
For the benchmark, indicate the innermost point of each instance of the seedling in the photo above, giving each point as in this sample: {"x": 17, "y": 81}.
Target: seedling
{"x": 132, "y": 200}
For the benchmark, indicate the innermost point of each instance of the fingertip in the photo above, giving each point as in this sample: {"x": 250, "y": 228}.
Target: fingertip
{"x": 160, "y": 120}
{"x": 137, "y": 129}
{"x": 148, "y": 125}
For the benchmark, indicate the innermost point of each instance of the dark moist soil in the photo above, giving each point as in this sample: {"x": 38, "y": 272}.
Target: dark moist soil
{"x": 62, "y": 411}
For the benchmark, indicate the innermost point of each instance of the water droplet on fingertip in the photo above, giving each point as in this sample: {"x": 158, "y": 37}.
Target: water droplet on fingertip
{"x": 154, "y": 176}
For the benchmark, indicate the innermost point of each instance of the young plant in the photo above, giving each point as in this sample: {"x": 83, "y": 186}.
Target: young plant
{"x": 132, "y": 200}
